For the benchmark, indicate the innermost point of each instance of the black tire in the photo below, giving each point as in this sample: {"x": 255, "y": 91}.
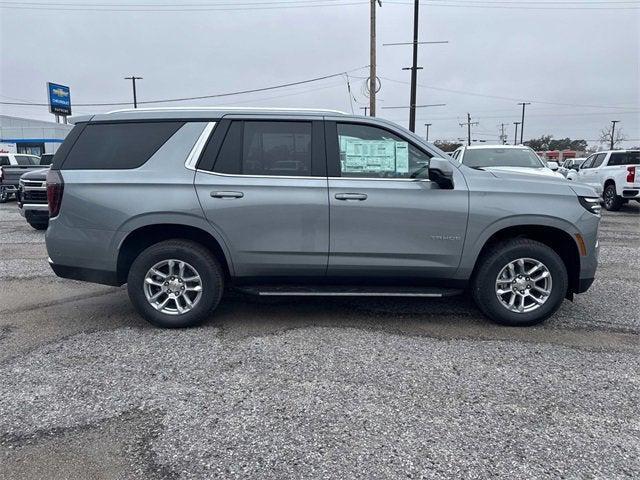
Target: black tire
{"x": 4, "y": 196}
{"x": 39, "y": 226}
{"x": 493, "y": 261}
{"x": 612, "y": 201}
{"x": 204, "y": 262}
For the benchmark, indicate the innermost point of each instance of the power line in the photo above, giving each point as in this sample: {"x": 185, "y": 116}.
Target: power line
{"x": 178, "y": 8}
{"x": 201, "y": 97}
{"x": 517, "y": 6}
{"x": 498, "y": 97}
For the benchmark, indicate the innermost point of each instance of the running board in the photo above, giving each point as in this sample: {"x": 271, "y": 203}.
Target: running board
{"x": 347, "y": 291}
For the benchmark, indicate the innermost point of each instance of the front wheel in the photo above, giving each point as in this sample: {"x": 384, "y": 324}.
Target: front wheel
{"x": 175, "y": 284}
{"x": 612, "y": 201}
{"x": 520, "y": 282}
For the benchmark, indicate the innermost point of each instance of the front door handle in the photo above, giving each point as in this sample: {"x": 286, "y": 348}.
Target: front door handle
{"x": 351, "y": 196}
{"x": 227, "y": 194}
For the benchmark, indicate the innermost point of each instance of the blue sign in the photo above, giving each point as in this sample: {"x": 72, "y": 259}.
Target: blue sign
{"x": 59, "y": 99}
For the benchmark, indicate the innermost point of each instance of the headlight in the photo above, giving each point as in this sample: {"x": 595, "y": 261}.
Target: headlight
{"x": 592, "y": 204}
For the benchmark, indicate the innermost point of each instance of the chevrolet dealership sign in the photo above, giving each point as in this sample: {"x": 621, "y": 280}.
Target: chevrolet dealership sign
{"x": 59, "y": 99}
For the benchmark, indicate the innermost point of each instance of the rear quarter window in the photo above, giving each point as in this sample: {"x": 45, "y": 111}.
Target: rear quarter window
{"x": 624, "y": 158}
{"x": 114, "y": 146}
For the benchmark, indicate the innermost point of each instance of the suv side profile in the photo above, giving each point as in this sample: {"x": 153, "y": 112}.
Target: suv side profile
{"x": 181, "y": 204}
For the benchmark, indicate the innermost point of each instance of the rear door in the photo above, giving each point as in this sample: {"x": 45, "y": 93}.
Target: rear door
{"x": 387, "y": 219}
{"x": 262, "y": 184}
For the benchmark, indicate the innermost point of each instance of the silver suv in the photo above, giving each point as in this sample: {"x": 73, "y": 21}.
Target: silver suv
{"x": 182, "y": 204}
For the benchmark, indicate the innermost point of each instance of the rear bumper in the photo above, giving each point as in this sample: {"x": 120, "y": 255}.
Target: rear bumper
{"x": 103, "y": 277}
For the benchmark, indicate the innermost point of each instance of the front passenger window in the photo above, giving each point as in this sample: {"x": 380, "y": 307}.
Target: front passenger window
{"x": 372, "y": 152}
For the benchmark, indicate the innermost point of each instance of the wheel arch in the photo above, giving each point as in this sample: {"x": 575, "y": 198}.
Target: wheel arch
{"x": 558, "y": 239}
{"x": 144, "y": 236}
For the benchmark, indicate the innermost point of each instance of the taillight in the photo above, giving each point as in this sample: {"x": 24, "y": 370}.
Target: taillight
{"x": 55, "y": 189}
{"x": 631, "y": 174}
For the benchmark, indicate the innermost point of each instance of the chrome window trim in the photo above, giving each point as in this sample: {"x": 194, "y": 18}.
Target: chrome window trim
{"x": 313, "y": 178}
{"x": 192, "y": 159}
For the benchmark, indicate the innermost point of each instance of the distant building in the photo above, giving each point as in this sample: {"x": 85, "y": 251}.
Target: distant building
{"x": 559, "y": 155}
{"x": 24, "y": 135}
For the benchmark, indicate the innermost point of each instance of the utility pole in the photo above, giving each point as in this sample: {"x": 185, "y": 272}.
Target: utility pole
{"x": 524, "y": 104}
{"x": 503, "y": 137}
{"x": 414, "y": 68}
{"x": 613, "y": 131}
{"x": 427, "y": 125}
{"x": 515, "y": 137}
{"x": 133, "y": 79}
{"x": 373, "y": 79}
{"x": 468, "y": 125}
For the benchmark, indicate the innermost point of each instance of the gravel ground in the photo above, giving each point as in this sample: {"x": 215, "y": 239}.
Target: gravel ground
{"x": 294, "y": 388}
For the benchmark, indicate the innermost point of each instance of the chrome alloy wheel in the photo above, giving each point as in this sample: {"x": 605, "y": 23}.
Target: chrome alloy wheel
{"x": 173, "y": 287}
{"x": 523, "y": 285}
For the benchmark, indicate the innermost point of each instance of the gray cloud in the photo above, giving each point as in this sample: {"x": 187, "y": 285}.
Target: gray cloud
{"x": 581, "y": 57}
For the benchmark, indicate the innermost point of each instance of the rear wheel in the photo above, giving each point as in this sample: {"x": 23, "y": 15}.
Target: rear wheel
{"x": 175, "y": 284}
{"x": 4, "y": 195}
{"x": 612, "y": 201}
{"x": 520, "y": 282}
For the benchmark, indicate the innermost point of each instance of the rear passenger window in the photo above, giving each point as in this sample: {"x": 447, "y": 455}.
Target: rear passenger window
{"x": 118, "y": 145}
{"x": 266, "y": 148}
{"x": 4, "y": 161}
{"x": 624, "y": 158}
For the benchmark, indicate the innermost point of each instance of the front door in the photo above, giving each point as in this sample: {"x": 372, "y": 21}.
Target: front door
{"x": 264, "y": 189}
{"x": 388, "y": 221}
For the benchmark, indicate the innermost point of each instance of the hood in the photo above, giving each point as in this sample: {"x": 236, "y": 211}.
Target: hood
{"x": 583, "y": 190}
{"x": 542, "y": 171}
{"x": 36, "y": 175}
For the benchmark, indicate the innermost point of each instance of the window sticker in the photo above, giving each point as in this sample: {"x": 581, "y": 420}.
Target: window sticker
{"x": 373, "y": 156}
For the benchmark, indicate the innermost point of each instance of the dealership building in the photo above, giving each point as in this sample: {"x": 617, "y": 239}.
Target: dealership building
{"x": 24, "y": 135}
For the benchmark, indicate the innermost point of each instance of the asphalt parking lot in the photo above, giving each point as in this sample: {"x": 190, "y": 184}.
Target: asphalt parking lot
{"x": 324, "y": 388}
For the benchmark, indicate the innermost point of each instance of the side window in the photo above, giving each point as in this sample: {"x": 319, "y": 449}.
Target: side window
{"x": 587, "y": 163}
{"x": 118, "y": 145}
{"x": 372, "y": 152}
{"x": 597, "y": 161}
{"x": 278, "y": 148}
{"x": 4, "y": 162}
{"x": 624, "y": 158}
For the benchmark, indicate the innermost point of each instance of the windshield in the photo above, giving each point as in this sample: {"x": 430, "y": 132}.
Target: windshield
{"x": 501, "y": 157}
{"x": 27, "y": 160}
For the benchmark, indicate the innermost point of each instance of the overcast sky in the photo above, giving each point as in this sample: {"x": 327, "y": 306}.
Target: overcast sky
{"x": 588, "y": 58}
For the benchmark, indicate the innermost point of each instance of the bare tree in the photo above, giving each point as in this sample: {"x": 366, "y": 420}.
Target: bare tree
{"x": 618, "y": 136}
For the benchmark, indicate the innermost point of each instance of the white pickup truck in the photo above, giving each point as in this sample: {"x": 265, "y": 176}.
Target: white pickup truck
{"x": 614, "y": 174}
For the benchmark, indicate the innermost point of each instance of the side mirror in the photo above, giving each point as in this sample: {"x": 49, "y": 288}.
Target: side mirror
{"x": 575, "y": 167}
{"x": 553, "y": 165}
{"x": 441, "y": 173}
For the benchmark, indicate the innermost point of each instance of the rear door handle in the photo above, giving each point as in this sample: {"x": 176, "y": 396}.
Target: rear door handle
{"x": 227, "y": 194}
{"x": 351, "y": 196}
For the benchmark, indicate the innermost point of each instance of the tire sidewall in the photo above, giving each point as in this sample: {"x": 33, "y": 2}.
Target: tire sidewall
{"x": 615, "y": 204}
{"x": 206, "y": 266}
{"x": 485, "y": 284}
